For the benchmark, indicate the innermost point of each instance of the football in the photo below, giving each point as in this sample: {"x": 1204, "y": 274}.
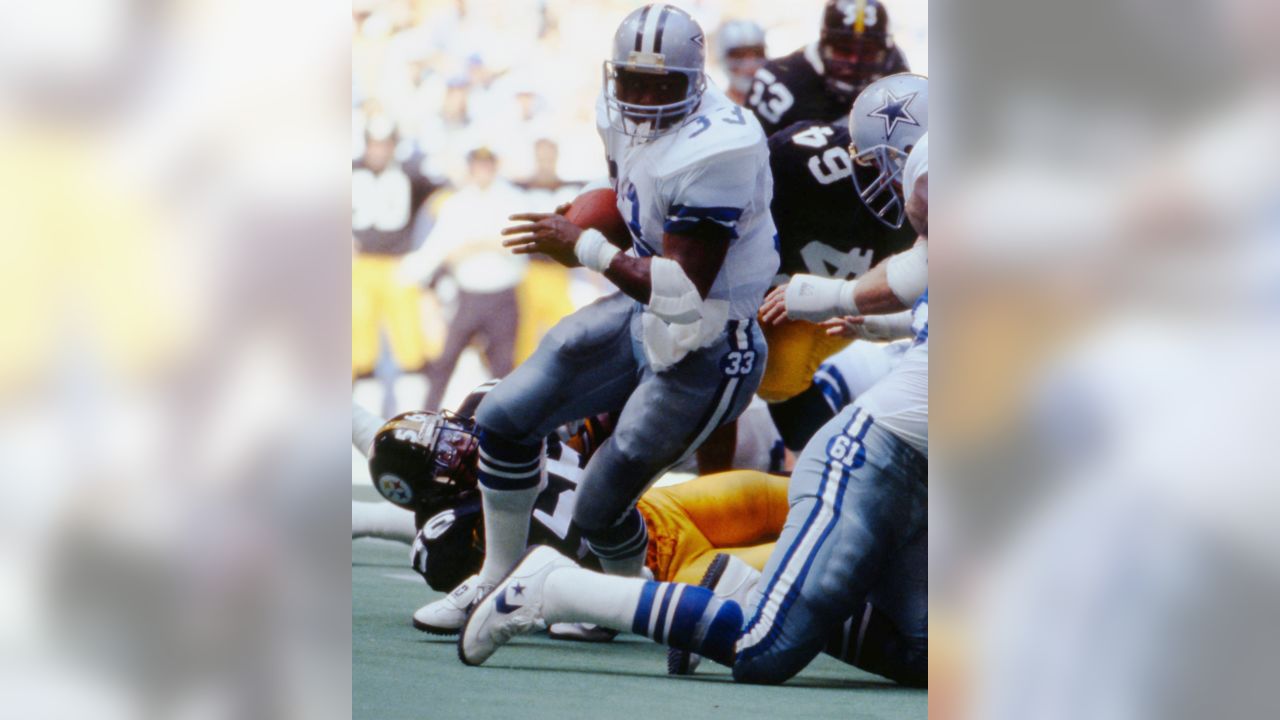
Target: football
{"x": 598, "y": 209}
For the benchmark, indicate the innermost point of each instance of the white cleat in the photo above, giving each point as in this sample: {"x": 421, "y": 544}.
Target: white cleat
{"x": 448, "y": 614}
{"x": 513, "y": 608}
{"x": 730, "y": 578}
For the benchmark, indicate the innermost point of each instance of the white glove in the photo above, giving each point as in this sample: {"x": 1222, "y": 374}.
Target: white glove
{"x": 815, "y": 299}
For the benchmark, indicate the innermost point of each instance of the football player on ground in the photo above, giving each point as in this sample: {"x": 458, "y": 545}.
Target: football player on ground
{"x": 820, "y": 80}
{"x": 742, "y": 53}
{"x": 816, "y": 167}
{"x": 426, "y": 463}
{"x": 853, "y": 553}
{"x": 677, "y": 352}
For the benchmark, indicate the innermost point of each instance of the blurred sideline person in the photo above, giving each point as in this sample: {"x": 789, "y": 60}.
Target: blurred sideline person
{"x": 544, "y": 295}
{"x": 464, "y": 251}
{"x": 386, "y": 198}
{"x": 819, "y": 81}
{"x": 741, "y": 48}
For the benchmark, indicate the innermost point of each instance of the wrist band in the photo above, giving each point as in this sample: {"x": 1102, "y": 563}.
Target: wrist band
{"x": 594, "y": 251}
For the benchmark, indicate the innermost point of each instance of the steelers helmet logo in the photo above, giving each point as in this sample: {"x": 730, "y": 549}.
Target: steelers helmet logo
{"x": 395, "y": 489}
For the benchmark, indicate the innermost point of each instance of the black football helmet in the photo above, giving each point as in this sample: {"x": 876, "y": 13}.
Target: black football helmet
{"x": 855, "y": 45}
{"x": 425, "y": 461}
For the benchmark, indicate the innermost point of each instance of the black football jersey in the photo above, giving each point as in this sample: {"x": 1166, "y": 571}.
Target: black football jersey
{"x": 790, "y": 89}
{"x": 449, "y": 547}
{"x": 823, "y": 227}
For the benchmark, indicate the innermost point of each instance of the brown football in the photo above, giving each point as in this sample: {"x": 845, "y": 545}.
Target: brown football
{"x": 598, "y": 209}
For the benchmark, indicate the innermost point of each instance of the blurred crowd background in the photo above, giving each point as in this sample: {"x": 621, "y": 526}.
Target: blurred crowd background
{"x": 488, "y": 108}
{"x": 174, "y": 415}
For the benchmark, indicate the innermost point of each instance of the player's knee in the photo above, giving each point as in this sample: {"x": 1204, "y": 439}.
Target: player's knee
{"x": 502, "y": 418}
{"x": 766, "y": 669}
{"x": 612, "y": 537}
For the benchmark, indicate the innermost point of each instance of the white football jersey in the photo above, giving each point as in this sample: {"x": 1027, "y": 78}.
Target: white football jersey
{"x": 845, "y": 376}
{"x": 900, "y": 401}
{"x": 713, "y": 168}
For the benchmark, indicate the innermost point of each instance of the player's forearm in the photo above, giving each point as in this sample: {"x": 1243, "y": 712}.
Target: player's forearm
{"x": 632, "y": 276}
{"x": 891, "y": 286}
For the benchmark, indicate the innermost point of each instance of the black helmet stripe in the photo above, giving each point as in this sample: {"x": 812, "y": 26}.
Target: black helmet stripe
{"x": 644, "y": 15}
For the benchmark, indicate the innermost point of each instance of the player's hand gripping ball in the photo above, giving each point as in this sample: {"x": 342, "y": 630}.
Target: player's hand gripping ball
{"x": 555, "y": 234}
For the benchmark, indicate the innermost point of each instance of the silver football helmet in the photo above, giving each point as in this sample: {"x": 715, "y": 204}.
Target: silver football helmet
{"x": 741, "y": 48}
{"x": 887, "y": 120}
{"x": 656, "y": 76}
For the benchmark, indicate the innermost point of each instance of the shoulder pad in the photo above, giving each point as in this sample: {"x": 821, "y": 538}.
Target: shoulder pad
{"x": 718, "y": 129}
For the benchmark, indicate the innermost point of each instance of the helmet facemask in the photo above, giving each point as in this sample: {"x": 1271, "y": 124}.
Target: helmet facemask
{"x": 883, "y": 194}
{"x": 647, "y": 100}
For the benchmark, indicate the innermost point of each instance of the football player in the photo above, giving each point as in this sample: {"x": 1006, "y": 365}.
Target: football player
{"x": 820, "y": 80}
{"x": 816, "y": 167}
{"x": 852, "y": 554}
{"x": 677, "y": 351}
{"x": 742, "y": 53}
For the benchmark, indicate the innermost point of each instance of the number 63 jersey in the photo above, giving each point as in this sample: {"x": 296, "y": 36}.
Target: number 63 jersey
{"x": 823, "y": 226}
{"x": 710, "y": 174}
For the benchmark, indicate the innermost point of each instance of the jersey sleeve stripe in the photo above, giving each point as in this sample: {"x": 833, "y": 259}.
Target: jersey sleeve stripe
{"x": 683, "y": 219}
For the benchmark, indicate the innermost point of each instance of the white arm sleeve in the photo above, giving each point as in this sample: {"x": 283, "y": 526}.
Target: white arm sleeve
{"x": 672, "y": 296}
{"x": 908, "y": 273}
{"x": 364, "y": 426}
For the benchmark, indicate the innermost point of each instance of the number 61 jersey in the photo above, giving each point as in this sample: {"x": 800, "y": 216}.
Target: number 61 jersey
{"x": 823, "y": 226}
{"x": 710, "y": 173}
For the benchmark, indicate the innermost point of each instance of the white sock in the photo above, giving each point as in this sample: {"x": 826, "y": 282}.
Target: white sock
{"x": 382, "y": 520}
{"x": 506, "y": 529}
{"x": 578, "y": 595}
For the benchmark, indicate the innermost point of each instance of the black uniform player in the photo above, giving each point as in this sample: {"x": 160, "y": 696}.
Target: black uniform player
{"x": 823, "y": 229}
{"x": 425, "y": 462}
{"x": 820, "y": 81}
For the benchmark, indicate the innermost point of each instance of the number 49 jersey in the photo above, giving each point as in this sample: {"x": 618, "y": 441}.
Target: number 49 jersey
{"x": 823, "y": 227}
{"x": 711, "y": 173}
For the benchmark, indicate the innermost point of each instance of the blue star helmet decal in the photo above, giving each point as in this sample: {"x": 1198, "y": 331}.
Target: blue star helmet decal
{"x": 894, "y": 111}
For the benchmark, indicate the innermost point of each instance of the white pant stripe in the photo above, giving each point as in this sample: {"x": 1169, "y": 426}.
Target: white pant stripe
{"x": 805, "y": 547}
{"x": 671, "y": 611}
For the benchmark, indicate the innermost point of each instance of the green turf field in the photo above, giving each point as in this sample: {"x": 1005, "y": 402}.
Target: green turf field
{"x": 398, "y": 672}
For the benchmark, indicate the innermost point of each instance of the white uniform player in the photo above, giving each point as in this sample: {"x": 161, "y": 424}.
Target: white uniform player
{"x": 675, "y": 354}
{"x": 715, "y": 168}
